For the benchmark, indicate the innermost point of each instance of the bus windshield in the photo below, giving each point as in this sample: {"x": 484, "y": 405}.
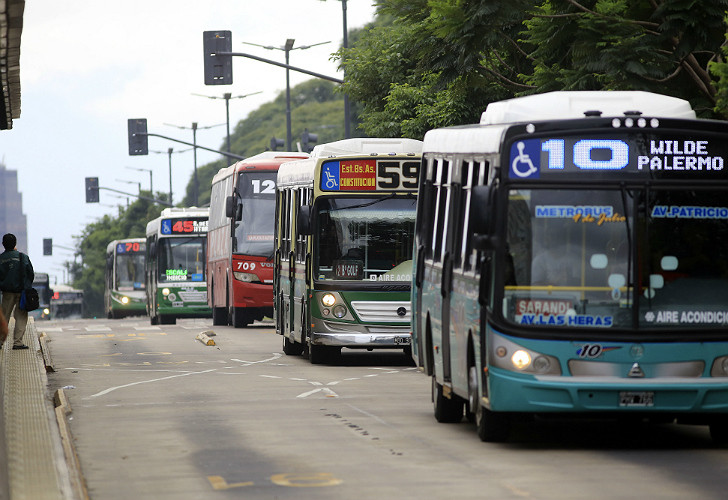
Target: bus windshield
{"x": 254, "y": 233}
{"x": 130, "y": 271}
{"x": 181, "y": 259}
{"x": 571, "y": 261}
{"x": 364, "y": 238}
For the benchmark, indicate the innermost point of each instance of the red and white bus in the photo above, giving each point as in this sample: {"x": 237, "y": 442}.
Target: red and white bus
{"x": 240, "y": 239}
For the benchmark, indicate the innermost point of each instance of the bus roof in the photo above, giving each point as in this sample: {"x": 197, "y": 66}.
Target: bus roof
{"x": 265, "y": 159}
{"x": 575, "y": 104}
{"x": 367, "y": 146}
{"x": 299, "y": 172}
{"x": 486, "y": 137}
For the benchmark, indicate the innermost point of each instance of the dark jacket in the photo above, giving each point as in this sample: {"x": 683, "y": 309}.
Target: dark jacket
{"x": 10, "y": 272}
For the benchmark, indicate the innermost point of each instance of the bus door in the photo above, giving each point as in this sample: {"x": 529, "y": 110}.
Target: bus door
{"x": 442, "y": 259}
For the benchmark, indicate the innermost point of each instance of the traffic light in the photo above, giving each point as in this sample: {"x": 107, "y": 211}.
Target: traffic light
{"x": 138, "y": 138}
{"x": 276, "y": 143}
{"x": 306, "y": 139}
{"x": 47, "y": 246}
{"x": 218, "y": 68}
{"x": 92, "y": 189}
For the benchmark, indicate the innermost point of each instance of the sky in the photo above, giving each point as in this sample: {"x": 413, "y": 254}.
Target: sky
{"x": 87, "y": 66}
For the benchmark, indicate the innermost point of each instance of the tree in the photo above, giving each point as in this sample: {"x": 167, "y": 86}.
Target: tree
{"x": 433, "y": 63}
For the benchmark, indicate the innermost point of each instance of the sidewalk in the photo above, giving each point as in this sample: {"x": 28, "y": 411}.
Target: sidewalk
{"x": 32, "y": 461}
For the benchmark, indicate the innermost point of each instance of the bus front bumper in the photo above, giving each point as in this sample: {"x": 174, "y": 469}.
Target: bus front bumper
{"x": 360, "y": 336}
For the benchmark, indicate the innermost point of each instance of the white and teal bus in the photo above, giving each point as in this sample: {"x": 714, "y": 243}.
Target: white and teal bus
{"x": 175, "y": 266}
{"x": 572, "y": 258}
{"x": 124, "y": 293}
{"x": 343, "y": 247}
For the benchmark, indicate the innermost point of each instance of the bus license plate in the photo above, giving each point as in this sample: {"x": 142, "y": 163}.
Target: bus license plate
{"x": 637, "y": 399}
{"x": 403, "y": 340}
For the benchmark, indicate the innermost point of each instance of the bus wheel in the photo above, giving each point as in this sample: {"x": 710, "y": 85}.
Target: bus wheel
{"x": 447, "y": 410}
{"x": 167, "y": 319}
{"x": 219, "y": 316}
{"x": 317, "y": 354}
{"x": 153, "y": 320}
{"x": 291, "y": 348}
{"x": 240, "y": 317}
{"x": 719, "y": 433}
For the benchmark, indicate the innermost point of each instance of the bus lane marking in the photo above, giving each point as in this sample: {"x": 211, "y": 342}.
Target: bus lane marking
{"x": 219, "y": 483}
{"x": 111, "y": 389}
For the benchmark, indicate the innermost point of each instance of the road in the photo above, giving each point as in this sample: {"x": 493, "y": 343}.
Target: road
{"x": 157, "y": 414}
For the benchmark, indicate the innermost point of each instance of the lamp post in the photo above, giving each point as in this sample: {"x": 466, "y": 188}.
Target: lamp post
{"x": 169, "y": 153}
{"x": 131, "y": 182}
{"x": 287, "y": 48}
{"x": 151, "y": 184}
{"x": 227, "y": 96}
{"x": 194, "y": 129}
{"x": 347, "y": 117}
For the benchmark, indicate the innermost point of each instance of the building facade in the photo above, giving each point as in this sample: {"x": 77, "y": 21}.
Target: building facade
{"x": 12, "y": 218}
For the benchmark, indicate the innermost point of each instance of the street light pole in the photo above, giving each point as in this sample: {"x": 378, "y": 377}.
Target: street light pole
{"x": 289, "y": 136}
{"x": 169, "y": 152}
{"x": 287, "y": 48}
{"x": 151, "y": 183}
{"x": 227, "y": 97}
{"x": 347, "y": 116}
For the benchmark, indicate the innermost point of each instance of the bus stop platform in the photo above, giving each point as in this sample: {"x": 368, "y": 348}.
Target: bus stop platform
{"x": 34, "y": 440}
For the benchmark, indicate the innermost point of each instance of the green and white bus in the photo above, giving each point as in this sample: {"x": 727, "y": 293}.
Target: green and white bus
{"x": 572, "y": 259}
{"x": 343, "y": 247}
{"x": 124, "y": 293}
{"x": 175, "y": 266}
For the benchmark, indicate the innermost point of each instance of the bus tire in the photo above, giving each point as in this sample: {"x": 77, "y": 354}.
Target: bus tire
{"x": 219, "y": 316}
{"x": 153, "y": 319}
{"x": 167, "y": 319}
{"x": 447, "y": 410}
{"x": 719, "y": 433}
{"x": 317, "y": 354}
{"x": 291, "y": 348}
{"x": 239, "y": 317}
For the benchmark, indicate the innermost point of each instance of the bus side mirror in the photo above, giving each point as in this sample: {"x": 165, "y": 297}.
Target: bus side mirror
{"x": 481, "y": 219}
{"x": 303, "y": 220}
{"x": 230, "y": 206}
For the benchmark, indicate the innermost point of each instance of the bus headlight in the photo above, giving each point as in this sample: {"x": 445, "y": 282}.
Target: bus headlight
{"x": 521, "y": 359}
{"x": 339, "y": 311}
{"x": 165, "y": 291}
{"x": 246, "y": 277}
{"x": 328, "y": 300}
{"x": 720, "y": 367}
{"x": 125, "y": 300}
{"x": 46, "y": 311}
{"x": 508, "y": 355}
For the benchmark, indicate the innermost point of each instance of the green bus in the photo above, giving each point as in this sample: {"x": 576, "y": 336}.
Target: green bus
{"x": 124, "y": 291}
{"x": 343, "y": 247}
{"x": 175, "y": 266}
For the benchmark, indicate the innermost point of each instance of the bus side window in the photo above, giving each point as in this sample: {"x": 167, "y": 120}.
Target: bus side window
{"x": 425, "y": 208}
{"x": 442, "y": 197}
{"x": 301, "y": 198}
{"x": 462, "y": 215}
{"x": 477, "y": 175}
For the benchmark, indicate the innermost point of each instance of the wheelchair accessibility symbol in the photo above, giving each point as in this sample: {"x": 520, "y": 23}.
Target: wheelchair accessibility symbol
{"x": 330, "y": 178}
{"x": 522, "y": 164}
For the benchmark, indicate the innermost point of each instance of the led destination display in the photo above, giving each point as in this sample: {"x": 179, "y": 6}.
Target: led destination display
{"x": 607, "y": 155}
{"x": 368, "y": 174}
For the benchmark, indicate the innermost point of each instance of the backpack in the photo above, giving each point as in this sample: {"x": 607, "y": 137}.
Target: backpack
{"x": 29, "y": 300}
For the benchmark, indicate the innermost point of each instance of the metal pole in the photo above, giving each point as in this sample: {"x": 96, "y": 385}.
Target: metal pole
{"x": 347, "y": 115}
{"x": 169, "y": 152}
{"x": 289, "y": 135}
{"x": 196, "y": 187}
{"x": 227, "y": 117}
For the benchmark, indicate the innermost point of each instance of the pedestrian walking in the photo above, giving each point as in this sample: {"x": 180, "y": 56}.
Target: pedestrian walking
{"x": 16, "y": 274}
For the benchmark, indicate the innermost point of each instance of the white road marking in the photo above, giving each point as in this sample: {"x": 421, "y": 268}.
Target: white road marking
{"x": 111, "y": 389}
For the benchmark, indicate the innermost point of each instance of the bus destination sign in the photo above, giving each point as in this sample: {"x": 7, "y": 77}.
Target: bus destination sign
{"x": 130, "y": 247}
{"x": 191, "y": 225}
{"x": 369, "y": 174}
{"x": 604, "y": 155}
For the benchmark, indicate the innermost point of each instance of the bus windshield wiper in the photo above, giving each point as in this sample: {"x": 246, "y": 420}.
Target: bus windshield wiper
{"x": 373, "y": 202}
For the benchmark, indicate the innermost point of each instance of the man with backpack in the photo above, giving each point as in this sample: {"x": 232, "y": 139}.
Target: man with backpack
{"x": 16, "y": 274}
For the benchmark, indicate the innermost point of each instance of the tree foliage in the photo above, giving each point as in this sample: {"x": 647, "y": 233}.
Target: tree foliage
{"x": 432, "y": 63}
